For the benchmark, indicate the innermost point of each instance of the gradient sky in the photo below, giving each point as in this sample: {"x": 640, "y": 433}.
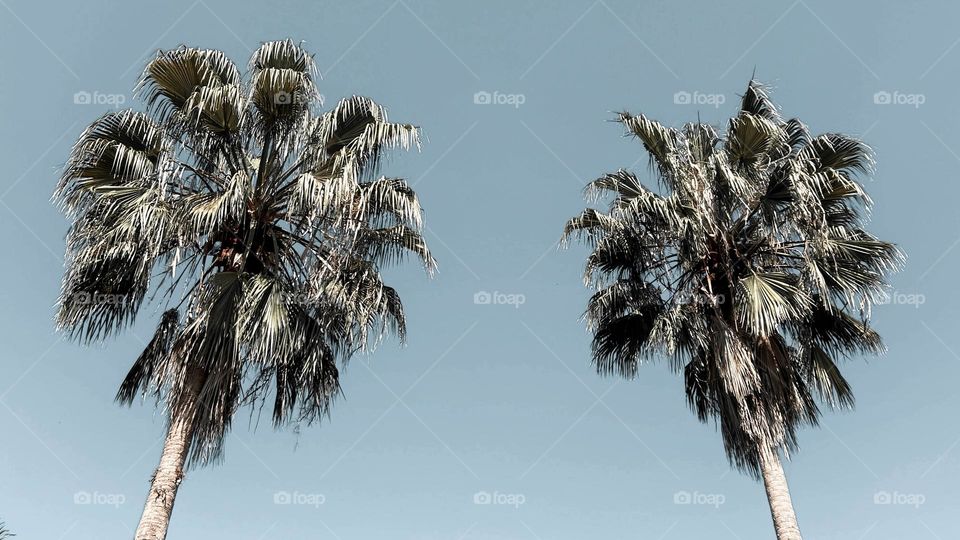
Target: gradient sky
{"x": 497, "y": 398}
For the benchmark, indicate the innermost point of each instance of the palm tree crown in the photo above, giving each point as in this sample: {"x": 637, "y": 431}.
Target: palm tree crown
{"x": 749, "y": 267}
{"x": 257, "y": 221}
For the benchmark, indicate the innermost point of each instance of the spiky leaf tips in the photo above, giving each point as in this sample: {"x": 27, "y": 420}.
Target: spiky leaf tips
{"x": 748, "y": 266}
{"x": 255, "y": 219}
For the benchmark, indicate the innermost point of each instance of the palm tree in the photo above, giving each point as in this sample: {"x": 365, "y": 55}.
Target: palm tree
{"x": 256, "y": 222}
{"x": 748, "y": 268}
{"x": 5, "y": 533}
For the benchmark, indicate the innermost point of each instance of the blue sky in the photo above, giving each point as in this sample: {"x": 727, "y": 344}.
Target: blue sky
{"x": 497, "y": 398}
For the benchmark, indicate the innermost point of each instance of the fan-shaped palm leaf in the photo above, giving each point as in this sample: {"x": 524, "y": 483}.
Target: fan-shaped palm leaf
{"x": 749, "y": 268}
{"x": 256, "y": 221}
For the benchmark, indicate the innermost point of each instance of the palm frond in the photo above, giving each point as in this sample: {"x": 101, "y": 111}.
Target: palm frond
{"x": 768, "y": 300}
{"x": 171, "y": 78}
{"x": 253, "y": 220}
{"x": 826, "y": 378}
{"x": 660, "y": 142}
{"x": 749, "y": 269}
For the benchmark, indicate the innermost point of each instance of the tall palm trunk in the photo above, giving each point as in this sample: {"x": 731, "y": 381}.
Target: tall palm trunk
{"x": 163, "y": 488}
{"x": 778, "y": 495}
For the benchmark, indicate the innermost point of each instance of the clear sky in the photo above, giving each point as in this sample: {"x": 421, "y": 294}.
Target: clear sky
{"x": 497, "y": 399}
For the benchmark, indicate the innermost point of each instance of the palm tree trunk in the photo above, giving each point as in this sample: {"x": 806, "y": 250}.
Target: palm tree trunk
{"x": 163, "y": 488}
{"x": 778, "y": 495}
